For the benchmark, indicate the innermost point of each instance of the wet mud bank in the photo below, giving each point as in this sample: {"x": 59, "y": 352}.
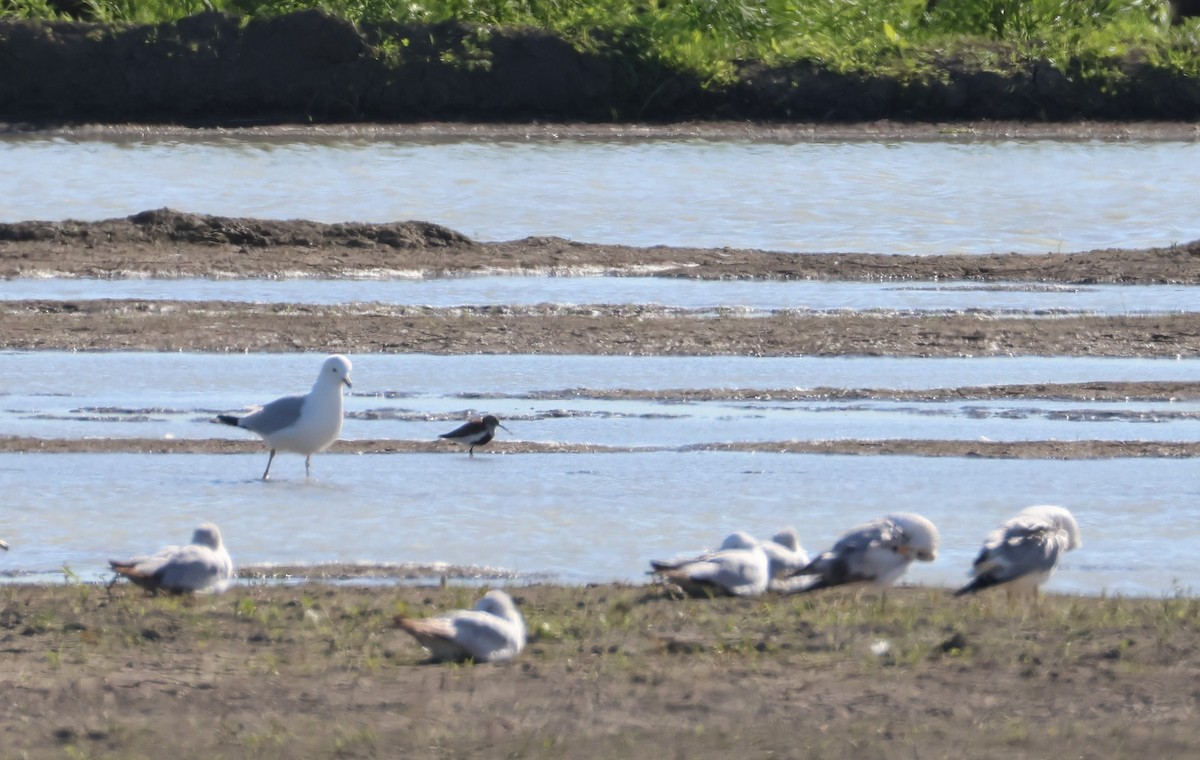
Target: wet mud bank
{"x": 171, "y": 243}
{"x": 848, "y": 447}
{"x": 222, "y": 326}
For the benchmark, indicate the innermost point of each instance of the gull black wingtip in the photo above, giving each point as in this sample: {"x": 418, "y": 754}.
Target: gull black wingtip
{"x": 976, "y": 585}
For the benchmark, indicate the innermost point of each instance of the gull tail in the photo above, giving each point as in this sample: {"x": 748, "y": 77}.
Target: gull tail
{"x": 129, "y": 570}
{"x": 228, "y": 419}
{"x": 979, "y": 584}
{"x": 658, "y": 565}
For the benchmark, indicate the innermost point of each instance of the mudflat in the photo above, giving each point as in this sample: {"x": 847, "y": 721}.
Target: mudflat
{"x": 611, "y": 671}
{"x": 316, "y": 669}
{"x": 166, "y": 243}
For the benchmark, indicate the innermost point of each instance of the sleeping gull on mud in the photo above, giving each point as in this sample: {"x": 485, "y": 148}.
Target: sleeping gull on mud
{"x": 1024, "y": 551}
{"x": 785, "y": 555}
{"x": 739, "y": 568}
{"x": 877, "y": 553}
{"x": 203, "y": 565}
{"x": 493, "y": 631}
{"x": 736, "y": 540}
{"x": 303, "y": 424}
{"x": 474, "y": 433}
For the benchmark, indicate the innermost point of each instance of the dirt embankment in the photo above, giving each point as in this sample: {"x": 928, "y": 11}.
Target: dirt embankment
{"x": 307, "y": 67}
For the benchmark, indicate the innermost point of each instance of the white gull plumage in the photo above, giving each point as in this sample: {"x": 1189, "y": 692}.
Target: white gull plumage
{"x": 876, "y": 553}
{"x": 1024, "y": 551}
{"x": 785, "y": 553}
{"x": 203, "y": 565}
{"x": 739, "y": 568}
{"x": 302, "y": 424}
{"x": 493, "y": 631}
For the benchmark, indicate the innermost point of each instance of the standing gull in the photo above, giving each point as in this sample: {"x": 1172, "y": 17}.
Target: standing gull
{"x": 877, "y": 553}
{"x": 1024, "y": 551}
{"x": 303, "y": 424}
{"x": 492, "y": 632}
{"x": 739, "y": 568}
{"x": 202, "y": 565}
{"x": 474, "y": 433}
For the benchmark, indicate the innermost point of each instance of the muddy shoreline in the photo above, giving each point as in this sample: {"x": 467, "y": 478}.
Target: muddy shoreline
{"x": 891, "y": 447}
{"x": 171, "y": 243}
{"x": 611, "y": 671}
{"x": 600, "y": 330}
{"x": 756, "y": 131}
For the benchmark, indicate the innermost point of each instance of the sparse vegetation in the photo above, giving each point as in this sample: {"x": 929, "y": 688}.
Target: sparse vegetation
{"x": 610, "y": 671}
{"x": 713, "y": 38}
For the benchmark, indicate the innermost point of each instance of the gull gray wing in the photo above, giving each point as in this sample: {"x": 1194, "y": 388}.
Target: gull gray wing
{"x": 485, "y": 636}
{"x": 193, "y": 568}
{"x": 1027, "y": 550}
{"x": 275, "y": 416}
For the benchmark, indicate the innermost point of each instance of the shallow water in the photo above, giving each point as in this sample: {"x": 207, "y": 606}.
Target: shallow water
{"x": 588, "y": 517}
{"x": 417, "y": 397}
{"x": 918, "y": 197}
{"x": 230, "y": 377}
{"x": 747, "y": 297}
{"x": 585, "y": 517}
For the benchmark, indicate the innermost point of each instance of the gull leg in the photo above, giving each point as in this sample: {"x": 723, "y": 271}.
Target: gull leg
{"x": 308, "y": 466}
{"x": 267, "y": 472}
{"x": 471, "y": 452}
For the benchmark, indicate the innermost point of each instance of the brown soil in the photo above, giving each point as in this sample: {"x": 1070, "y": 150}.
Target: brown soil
{"x": 610, "y": 672}
{"x": 897, "y": 447}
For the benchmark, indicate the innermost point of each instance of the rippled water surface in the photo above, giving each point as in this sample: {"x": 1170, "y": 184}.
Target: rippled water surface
{"x": 417, "y": 397}
{"x": 589, "y": 517}
{"x": 582, "y": 517}
{"x": 922, "y": 197}
{"x": 585, "y": 517}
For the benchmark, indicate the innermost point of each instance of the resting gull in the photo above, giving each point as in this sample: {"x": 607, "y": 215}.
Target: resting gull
{"x": 1024, "y": 551}
{"x": 3, "y": 544}
{"x": 202, "y": 565}
{"x": 737, "y": 540}
{"x": 785, "y": 553}
{"x": 474, "y": 433}
{"x": 302, "y": 424}
{"x": 877, "y": 553}
{"x": 492, "y": 632}
{"x": 740, "y": 568}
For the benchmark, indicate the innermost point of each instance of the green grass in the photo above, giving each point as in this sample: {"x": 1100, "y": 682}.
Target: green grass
{"x": 712, "y": 38}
